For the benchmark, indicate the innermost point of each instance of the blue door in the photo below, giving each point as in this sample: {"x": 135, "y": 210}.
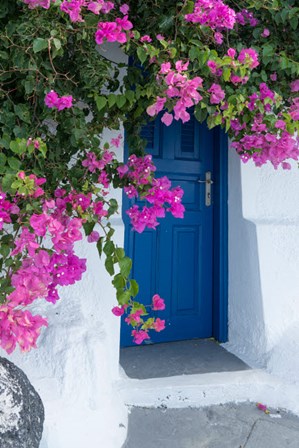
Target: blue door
{"x": 175, "y": 260}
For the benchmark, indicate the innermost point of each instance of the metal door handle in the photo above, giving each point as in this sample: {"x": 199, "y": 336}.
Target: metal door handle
{"x": 208, "y": 181}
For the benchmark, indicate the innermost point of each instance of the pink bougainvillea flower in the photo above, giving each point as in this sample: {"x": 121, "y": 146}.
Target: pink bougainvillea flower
{"x": 73, "y": 9}
{"x": 212, "y": 66}
{"x": 212, "y": 13}
{"x": 167, "y": 119}
{"x": 265, "y": 33}
{"x": 218, "y": 38}
{"x": 280, "y": 124}
{"x": 65, "y": 102}
{"x": 159, "y": 325}
{"x": 139, "y": 336}
{"x": 146, "y": 38}
{"x": 51, "y": 99}
{"x": 295, "y": 86}
{"x": 217, "y": 94}
{"x": 158, "y": 303}
{"x": 263, "y": 407}
{"x": 35, "y": 3}
{"x": 165, "y": 68}
{"x": 249, "y": 56}
{"x": 93, "y": 237}
{"x": 181, "y": 66}
{"x": 124, "y": 9}
{"x": 231, "y": 52}
{"x": 118, "y": 311}
{"x": 122, "y": 170}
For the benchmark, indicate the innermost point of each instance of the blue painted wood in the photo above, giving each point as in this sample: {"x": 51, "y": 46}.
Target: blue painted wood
{"x": 220, "y": 238}
{"x": 176, "y": 259}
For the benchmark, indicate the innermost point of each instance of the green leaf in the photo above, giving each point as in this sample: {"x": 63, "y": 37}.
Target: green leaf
{"x": 123, "y": 297}
{"x": 18, "y": 146}
{"x": 57, "y": 43}
{"x": 14, "y": 163}
{"x": 109, "y": 248}
{"x": 226, "y": 73}
{"x": 4, "y": 250}
{"x": 134, "y": 288}
{"x": 130, "y": 95}
{"x": 100, "y": 246}
{"x": 7, "y": 181}
{"x": 142, "y": 55}
{"x": 125, "y": 265}
{"x": 294, "y": 22}
{"x": 111, "y": 99}
{"x": 101, "y": 102}
{"x": 22, "y": 111}
{"x": 39, "y": 44}
{"x": 268, "y": 50}
{"x": 121, "y": 101}
{"x": 3, "y": 159}
{"x": 88, "y": 227}
{"x": 119, "y": 252}
{"x": 109, "y": 265}
{"x": 119, "y": 282}
{"x": 194, "y": 53}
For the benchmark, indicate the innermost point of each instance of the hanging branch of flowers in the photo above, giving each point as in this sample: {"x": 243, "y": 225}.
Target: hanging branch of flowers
{"x": 235, "y": 65}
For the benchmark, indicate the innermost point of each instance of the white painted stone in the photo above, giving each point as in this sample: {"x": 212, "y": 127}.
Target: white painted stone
{"x": 210, "y": 389}
{"x": 264, "y": 267}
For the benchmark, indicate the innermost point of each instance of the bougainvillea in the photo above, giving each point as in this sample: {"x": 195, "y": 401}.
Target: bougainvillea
{"x": 234, "y": 65}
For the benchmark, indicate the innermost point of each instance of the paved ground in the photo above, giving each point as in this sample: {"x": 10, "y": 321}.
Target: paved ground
{"x": 178, "y": 358}
{"x": 224, "y": 426}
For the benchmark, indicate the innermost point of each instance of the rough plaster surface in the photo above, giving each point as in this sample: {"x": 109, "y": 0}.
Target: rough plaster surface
{"x": 264, "y": 266}
{"x": 21, "y": 409}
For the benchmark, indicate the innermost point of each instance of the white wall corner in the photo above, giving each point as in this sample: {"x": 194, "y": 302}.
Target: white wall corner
{"x": 264, "y": 266}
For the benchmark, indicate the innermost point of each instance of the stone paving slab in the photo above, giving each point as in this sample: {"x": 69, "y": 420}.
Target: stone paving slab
{"x": 270, "y": 434}
{"x": 178, "y": 358}
{"x": 223, "y": 426}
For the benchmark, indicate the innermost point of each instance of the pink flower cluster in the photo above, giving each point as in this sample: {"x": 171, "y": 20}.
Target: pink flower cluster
{"x": 141, "y": 326}
{"x": 113, "y": 31}
{"x": 294, "y": 109}
{"x": 212, "y": 13}
{"x": 245, "y": 17}
{"x": 180, "y": 89}
{"x": 160, "y": 195}
{"x": 74, "y": 8}
{"x": 54, "y": 101}
{"x": 36, "y": 3}
{"x": 6, "y": 210}
{"x": 248, "y": 59}
{"x": 42, "y": 270}
{"x": 259, "y": 143}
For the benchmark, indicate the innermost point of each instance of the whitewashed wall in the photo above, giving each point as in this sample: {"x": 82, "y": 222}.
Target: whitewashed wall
{"x": 264, "y": 266}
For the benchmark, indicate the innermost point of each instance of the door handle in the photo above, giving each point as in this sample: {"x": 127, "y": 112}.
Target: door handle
{"x": 208, "y": 182}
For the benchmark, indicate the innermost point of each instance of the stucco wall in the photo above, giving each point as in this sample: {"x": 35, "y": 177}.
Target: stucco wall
{"x": 264, "y": 266}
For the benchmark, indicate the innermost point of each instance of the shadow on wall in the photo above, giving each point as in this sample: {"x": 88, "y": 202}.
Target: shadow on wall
{"x": 246, "y": 314}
